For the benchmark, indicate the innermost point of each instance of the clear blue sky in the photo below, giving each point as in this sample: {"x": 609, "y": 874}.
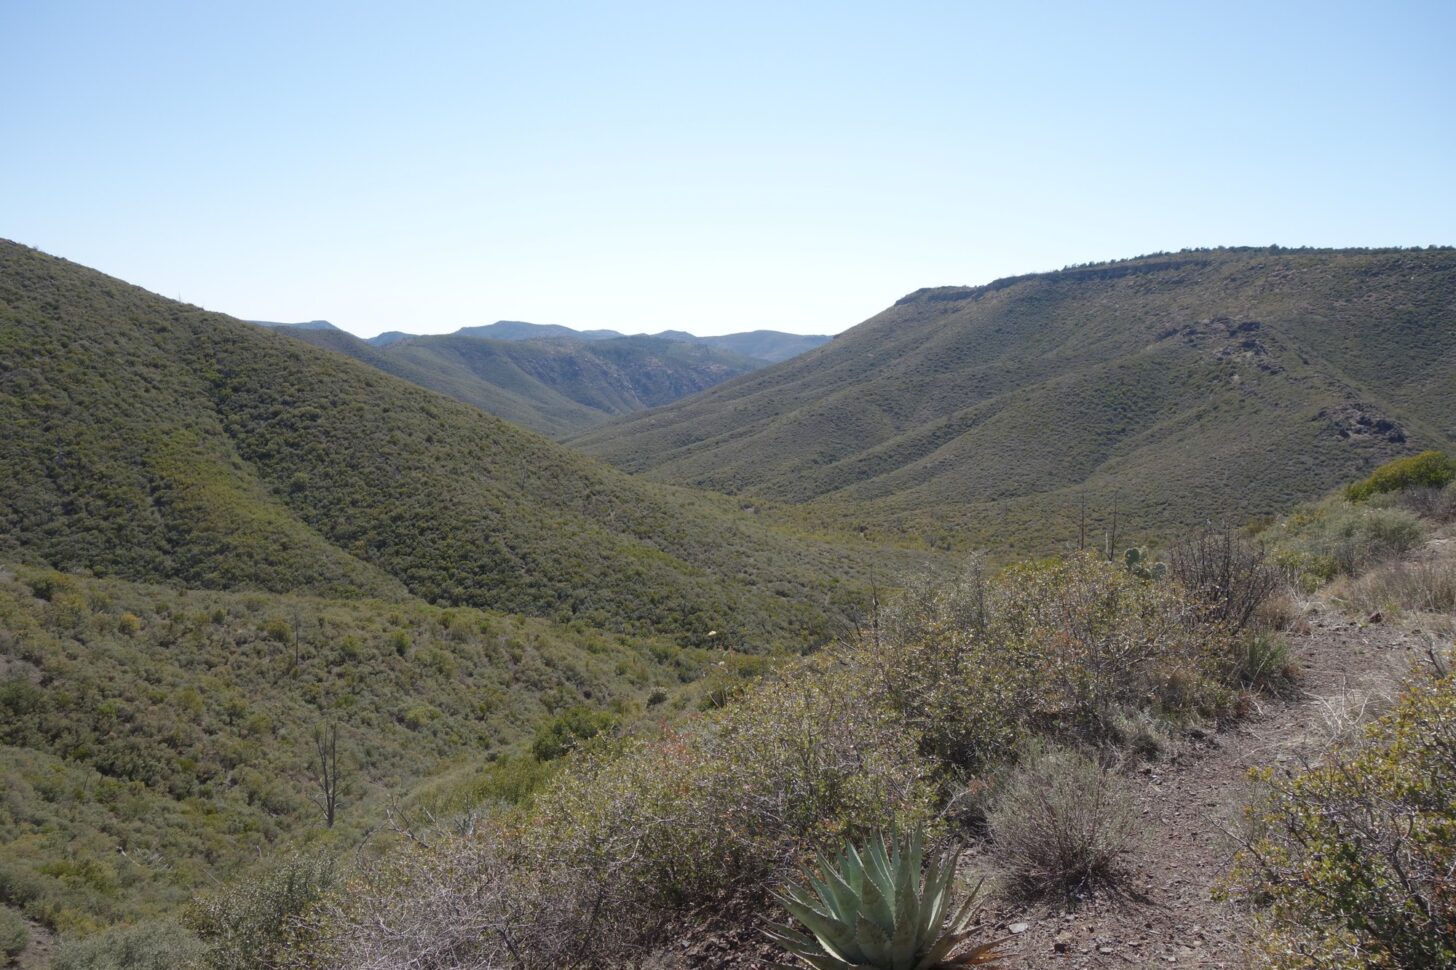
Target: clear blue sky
{"x": 709, "y": 167}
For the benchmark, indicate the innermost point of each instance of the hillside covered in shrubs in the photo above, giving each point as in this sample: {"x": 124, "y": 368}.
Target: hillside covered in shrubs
{"x": 1224, "y": 383}
{"x": 304, "y": 667}
{"x": 1006, "y": 708}
{"x": 918, "y": 723}
{"x": 151, "y": 441}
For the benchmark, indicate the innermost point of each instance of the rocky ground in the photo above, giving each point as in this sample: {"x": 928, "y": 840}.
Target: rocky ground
{"x": 1167, "y": 915}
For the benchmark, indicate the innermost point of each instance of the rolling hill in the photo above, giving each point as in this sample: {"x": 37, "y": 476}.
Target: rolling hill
{"x": 1175, "y": 387}
{"x": 217, "y": 539}
{"x": 767, "y": 346}
{"x": 150, "y": 441}
{"x": 552, "y": 385}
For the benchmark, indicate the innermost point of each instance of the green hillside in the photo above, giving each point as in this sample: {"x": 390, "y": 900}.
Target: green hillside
{"x": 151, "y": 441}
{"x": 554, "y": 386}
{"x": 154, "y": 740}
{"x": 1177, "y": 387}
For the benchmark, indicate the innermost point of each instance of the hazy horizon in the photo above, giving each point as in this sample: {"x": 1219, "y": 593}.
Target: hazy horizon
{"x": 652, "y": 166}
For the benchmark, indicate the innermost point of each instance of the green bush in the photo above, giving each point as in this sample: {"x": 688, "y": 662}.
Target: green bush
{"x": 1429, "y": 469}
{"x": 1339, "y": 538}
{"x": 1351, "y": 859}
{"x": 14, "y": 934}
{"x": 257, "y": 919}
{"x": 569, "y": 729}
{"x": 1060, "y": 646}
{"x": 144, "y": 946}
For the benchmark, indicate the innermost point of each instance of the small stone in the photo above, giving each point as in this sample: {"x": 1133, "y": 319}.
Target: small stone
{"x": 1019, "y": 927}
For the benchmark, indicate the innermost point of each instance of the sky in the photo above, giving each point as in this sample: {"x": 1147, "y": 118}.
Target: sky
{"x": 710, "y": 167}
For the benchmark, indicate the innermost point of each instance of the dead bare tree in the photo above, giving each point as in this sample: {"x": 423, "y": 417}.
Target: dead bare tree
{"x": 325, "y": 769}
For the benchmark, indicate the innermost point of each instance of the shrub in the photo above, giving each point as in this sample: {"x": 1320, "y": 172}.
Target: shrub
{"x": 1105, "y": 642}
{"x": 1060, "y": 824}
{"x": 1429, "y": 469}
{"x": 14, "y": 934}
{"x": 1338, "y": 538}
{"x": 146, "y": 946}
{"x": 1261, "y": 661}
{"x": 872, "y": 910}
{"x": 278, "y": 629}
{"x": 1436, "y": 504}
{"x": 965, "y": 690}
{"x": 1063, "y": 646}
{"x": 569, "y": 728}
{"x": 129, "y": 624}
{"x": 471, "y": 899}
{"x": 256, "y": 920}
{"x": 419, "y": 716}
{"x": 796, "y": 766}
{"x": 1351, "y": 859}
{"x": 1230, "y": 576}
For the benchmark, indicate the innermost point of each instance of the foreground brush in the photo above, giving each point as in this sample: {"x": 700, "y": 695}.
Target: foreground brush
{"x": 873, "y": 911}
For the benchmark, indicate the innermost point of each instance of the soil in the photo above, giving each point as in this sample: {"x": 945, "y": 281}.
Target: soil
{"x": 38, "y": 953}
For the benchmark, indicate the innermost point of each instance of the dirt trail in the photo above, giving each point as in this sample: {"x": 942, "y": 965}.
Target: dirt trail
{"x": 1169, "y": 918}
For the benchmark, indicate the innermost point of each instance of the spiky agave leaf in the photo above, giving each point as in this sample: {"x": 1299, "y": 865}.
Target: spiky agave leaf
{"x": 873, "y": 910}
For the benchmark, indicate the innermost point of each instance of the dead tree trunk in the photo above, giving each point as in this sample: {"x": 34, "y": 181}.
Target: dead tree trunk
{"x": 325, "y": 767}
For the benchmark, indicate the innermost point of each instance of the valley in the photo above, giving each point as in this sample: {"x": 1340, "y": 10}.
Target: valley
{"x": 289, "y": 619}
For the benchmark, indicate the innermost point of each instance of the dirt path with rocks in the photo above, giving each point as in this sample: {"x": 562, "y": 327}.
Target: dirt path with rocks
{"x": 1168, "y": 916}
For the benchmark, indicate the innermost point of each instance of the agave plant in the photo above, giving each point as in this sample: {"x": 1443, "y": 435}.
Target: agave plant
{"x": 874, "y": 911}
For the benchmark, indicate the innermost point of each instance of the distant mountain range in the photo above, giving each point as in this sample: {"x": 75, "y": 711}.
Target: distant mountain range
{"x": 769, "y": 346}
{"x": 1215, "y": 384}
{"x": 554, "y": 379}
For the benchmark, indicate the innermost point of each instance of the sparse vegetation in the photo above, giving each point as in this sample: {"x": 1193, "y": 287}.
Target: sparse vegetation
{"x": 1420, "y": 586}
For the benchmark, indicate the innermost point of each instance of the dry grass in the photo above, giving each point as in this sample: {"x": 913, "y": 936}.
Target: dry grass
{"x": 1422, "y": 586}
{"x": 1060, "y": 826}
